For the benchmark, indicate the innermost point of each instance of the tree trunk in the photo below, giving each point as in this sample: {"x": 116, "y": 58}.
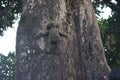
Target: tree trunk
{"x": 78, "y": 55}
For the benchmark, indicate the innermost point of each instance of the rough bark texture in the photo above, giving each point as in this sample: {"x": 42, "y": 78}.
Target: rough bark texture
{"x": 78, "y": 57}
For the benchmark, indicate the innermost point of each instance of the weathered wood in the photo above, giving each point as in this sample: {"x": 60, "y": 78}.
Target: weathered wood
{"x": 78, "y": 56}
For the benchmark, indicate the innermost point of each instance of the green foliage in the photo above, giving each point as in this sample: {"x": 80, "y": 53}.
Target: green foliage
{"x": 7, "y": 67}
{"x": 110, "y": 32}
{"x": 9, "y": 10}
{"x": 114, "y": 40}
{"x": 98, "y": 4}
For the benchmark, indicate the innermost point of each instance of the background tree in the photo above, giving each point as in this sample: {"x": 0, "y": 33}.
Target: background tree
{"x": 110, "y": 31}
{"x": 7, "y": 67}
{"x": 9, "y": 10}
{"x": 79, "y": 54}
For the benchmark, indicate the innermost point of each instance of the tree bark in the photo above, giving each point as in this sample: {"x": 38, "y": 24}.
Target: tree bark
{"x": 77, "y": 57}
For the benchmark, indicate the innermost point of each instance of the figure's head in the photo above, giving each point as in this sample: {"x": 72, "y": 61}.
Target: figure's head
{"x": 115, "y": 74}
{"x": 52, "y": 25}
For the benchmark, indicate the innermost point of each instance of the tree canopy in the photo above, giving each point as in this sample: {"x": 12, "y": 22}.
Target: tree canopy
{"x": 110, "y": 30}
{"x": 7, "y": 66}
{"x": 9, "y": 10}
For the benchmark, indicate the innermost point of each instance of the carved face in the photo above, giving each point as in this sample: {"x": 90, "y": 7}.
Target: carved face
{"x": 52, "y": 25}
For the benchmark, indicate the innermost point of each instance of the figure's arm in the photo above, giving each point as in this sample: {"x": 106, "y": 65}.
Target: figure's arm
{"x": 42, "y": 34}
{"x": 63, "y": 34}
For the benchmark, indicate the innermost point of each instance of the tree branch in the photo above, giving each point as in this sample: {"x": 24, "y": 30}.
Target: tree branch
{"x": 112, "y": 6}
{"x": 9, "y": 8}
{"x": 5, "y": 11}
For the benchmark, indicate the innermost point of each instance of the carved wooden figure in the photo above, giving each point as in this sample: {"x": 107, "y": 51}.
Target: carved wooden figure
{"x": 53, "y": 34}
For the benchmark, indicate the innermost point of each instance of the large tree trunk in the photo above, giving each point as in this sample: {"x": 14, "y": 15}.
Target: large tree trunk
{"x": 78, "y": 55}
